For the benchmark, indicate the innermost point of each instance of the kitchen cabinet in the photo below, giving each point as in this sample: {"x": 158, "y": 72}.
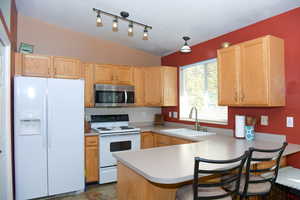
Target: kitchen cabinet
{"x": 88, "y": 84}
{"x": 92, "y": 158}
{"x": 139, "y": 85}
{"x": 67, "y": 68}
{"x": 47, "y": 66}
{"x": 34, "y": 65}
{"x": 252, "y": 73}
{"x": 161, "y": 86}
{"x": 113, "y": 74}
{"x": 147, "y": 140}
{"x": 150, "y": 140}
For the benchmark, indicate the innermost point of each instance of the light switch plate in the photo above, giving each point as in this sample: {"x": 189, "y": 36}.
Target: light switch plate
{"x": 264, "y": 120}
{"x": 290, "y": 122}
{"x": 170, "y": 114}
{"x": 175, "y": 114}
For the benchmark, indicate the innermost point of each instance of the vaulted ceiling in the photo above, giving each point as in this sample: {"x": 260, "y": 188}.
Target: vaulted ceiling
{"x": 171, "y": 19}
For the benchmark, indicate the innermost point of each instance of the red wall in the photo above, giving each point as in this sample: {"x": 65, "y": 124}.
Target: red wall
{"x": 285, "y": 26}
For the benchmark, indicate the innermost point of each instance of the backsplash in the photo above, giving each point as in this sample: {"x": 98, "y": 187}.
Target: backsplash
{"x": 136, "y": 114}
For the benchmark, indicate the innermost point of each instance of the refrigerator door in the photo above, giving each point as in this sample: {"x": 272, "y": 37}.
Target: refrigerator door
{"x": 30, "y": 141}
{"x": 65, "y": 135}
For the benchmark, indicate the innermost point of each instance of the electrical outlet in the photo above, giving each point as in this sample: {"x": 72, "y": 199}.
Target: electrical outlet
{"x": 175, "y": 114}
{"x": 170, "y": 114}
{"x": 290, "y": 122}
{"x": 264, "y": 120}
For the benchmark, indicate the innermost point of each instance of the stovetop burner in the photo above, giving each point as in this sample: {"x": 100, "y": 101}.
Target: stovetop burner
{"x": 115, "y": 128}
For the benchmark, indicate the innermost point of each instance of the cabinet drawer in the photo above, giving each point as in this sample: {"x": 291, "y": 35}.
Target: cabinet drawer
{"x": 91, "y": 140}
{"x": 175, "y": 140}
{"x": 162, "y": 140}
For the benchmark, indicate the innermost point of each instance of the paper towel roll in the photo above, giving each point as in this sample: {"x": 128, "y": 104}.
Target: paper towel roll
{"x": 240, "y": 126}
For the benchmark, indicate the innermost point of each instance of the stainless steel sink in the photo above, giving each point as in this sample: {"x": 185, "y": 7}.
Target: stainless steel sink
{"x": 187, "y": 132}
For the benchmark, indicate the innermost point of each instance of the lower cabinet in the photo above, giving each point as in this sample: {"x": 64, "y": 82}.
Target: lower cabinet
{"x": 91, "y": 158}
{"x": 150, "y": 140}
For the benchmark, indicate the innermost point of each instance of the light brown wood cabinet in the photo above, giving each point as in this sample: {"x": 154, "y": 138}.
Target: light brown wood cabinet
{"x": 150, "y": 140}
{"x": 47, "y": 66}
{"x": 147, "y": 140}
{"x": 161, "y": 86}
{"x": 252, "y": 73}
{"x": 67, "y": 68}
{"x": 33, "y": 65}
{"x": 91, "y": 158}
{"x": 113, "y": 74}
{"x": 88, "y": 84}
{"x": 139, "y": 85}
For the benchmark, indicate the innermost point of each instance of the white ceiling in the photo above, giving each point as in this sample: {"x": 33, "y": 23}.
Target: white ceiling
{"x": 171, "y": 19}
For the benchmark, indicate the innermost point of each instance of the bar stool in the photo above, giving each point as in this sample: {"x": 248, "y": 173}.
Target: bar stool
{"x": 205, "y": 190}
{"x": 253, "y": 184}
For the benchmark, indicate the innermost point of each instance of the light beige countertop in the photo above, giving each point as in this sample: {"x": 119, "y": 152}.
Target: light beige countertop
{"x": 175, "y": 164}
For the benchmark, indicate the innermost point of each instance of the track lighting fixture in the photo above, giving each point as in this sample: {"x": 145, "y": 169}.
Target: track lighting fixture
{"x": 186, "y": 48}
{"x": 145, "y": 34}
{"x": 130, "y": 29}
{"x": 115, "y": 27}
{"x": 123, "y": 16}
{"x": 99, "y": 20}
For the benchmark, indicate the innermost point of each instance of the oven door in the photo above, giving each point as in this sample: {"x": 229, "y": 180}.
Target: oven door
{"x": 110, "y": 144}
{"x": 113, "y": 95}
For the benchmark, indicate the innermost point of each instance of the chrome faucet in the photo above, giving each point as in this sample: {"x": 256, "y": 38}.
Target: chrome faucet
{"x": 197, "y": 125}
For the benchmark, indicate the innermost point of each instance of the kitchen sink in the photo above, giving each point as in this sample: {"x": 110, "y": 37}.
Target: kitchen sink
{"x": 187, "y": 132}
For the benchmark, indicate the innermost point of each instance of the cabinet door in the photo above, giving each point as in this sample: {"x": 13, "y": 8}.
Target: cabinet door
{"x": 104, "y": 74}
{"x": 123, "y": 75}
{"x": 162, "y": 140}
{"x": 254, "y": 75}
{"x": 147, "y": 140}
{"x": 67, "y": 68}
{"x": 175, "y": 140}
{"x": 228, "y": 73}
{"x": 139, "y": 85}
{"x": 153, "y": 86}
{"x": 91, "y": 159}
{"x": 37, "y": 65}
{"x": 169, "y": 86}
{"x": 89, "y": 85}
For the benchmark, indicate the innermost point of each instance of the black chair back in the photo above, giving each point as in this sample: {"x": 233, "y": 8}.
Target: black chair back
{"x": 235, "y": 170}
{"x": 270, "y": 173}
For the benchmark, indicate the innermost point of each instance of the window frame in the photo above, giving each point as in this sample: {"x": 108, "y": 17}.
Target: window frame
{"x": 181, "y": 88}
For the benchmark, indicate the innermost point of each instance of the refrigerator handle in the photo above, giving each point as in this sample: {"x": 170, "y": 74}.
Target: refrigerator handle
{"x": 45, "y": 124}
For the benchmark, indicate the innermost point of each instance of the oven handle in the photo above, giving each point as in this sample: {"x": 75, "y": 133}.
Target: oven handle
{"x": 116, "y": 134}
{"x": 125, "y": 92}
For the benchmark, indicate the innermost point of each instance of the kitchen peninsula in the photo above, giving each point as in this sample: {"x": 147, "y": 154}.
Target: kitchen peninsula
{"x": 156, "y": 173}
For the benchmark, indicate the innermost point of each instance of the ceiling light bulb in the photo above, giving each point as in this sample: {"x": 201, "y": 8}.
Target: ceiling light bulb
{"x": 99, "y": 20}
{"x": 186, "y": 48}
{"x": 115, "y": 25}
{"x": 145, "y": 34}
{"x": 130, "y": 29}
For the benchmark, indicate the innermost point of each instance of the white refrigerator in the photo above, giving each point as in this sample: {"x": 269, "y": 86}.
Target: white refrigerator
{"x": 48, "y": 136}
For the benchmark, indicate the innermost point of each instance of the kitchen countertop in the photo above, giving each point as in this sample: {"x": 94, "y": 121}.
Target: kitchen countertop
{"x": 175, "y": 164}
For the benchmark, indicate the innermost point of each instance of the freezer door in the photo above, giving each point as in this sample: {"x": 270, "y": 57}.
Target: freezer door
{"x": 30, "y": 145}
{"x": 65, "y": 135}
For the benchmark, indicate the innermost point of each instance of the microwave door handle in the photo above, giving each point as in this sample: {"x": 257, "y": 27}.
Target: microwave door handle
{"x": 125, "y": 92}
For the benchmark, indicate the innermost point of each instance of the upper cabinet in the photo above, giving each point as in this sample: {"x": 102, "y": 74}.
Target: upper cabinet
{"x": 252, "y": 73}
{"x": 67, "y": 68}
{"x": 34, "y": 65}
{"x": 47, "y": 66}
{"x": 88, "y": 85}
{"x": 113, "y": 74}
{"x": 161, "y": 86}
{"x": 139, "y": 85}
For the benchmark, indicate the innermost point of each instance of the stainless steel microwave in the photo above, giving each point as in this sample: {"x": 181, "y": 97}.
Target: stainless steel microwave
{"x": 113, "y": 95}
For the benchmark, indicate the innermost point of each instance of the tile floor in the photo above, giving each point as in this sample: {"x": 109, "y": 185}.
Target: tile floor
{"x": 93, "y": 192}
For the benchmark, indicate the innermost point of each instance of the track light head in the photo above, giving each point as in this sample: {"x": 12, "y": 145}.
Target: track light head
{"x": 145, "y": 34}
{"x": 185, "y": 48}
{"x": 115, "y": 26}
{"x": 99, "y": 20}
{"x": 130, "y": 29}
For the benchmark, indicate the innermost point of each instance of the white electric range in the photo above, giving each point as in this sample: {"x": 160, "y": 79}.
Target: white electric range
{"x": 115, "y": 136}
